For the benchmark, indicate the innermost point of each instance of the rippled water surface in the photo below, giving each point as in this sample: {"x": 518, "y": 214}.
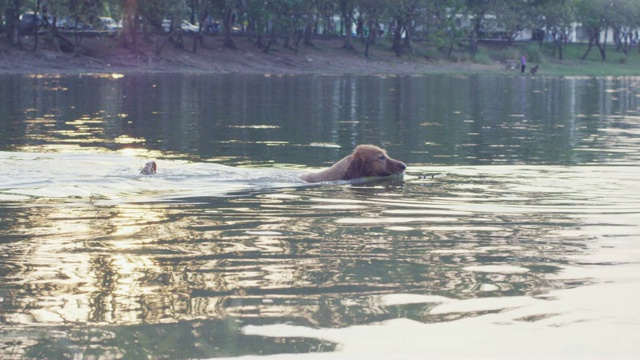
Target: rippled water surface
{"x": 515, "y": 232}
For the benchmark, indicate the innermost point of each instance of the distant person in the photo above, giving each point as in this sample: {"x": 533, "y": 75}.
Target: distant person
{"x": 534, "y": 70}
{"x": 523, "y": 63}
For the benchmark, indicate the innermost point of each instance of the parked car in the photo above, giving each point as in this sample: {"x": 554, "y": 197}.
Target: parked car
{"x": 185, "y": 26}
{"x": 67, "y": 23}
{"x": 189, "y": 27}
{"x": 30, "y": 21}
{"x": 107, "y": 24}
{"x": 64, "y": 23}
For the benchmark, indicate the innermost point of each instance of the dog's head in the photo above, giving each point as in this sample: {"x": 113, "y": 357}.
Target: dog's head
{"x": 370, "y": 160}
{"x": 149, "y": 168}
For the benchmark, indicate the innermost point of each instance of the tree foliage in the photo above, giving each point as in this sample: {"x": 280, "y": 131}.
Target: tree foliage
{"x": 439, "y": 24}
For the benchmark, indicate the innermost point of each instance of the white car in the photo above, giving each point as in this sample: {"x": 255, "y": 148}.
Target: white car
{"x": 184, "y": 26}
{"x": 108, "y": 24}
{"x": 189, "y": 27}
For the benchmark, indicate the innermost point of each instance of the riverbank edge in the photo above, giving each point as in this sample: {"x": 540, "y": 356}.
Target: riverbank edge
{"x": 326, "y": 57}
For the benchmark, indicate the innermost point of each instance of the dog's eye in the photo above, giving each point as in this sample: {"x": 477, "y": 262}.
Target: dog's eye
{"x": 382, "y": 157}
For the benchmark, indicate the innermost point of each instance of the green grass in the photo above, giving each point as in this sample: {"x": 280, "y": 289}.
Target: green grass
{"x": 616, "y": 63}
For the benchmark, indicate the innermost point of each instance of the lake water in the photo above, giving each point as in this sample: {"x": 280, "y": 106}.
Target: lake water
{"x": 515, "y": 232}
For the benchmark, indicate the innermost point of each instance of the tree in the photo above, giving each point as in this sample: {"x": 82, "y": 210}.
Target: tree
{"x": 512, "y": 17}
{"x": 594, "y": 15}
{"x": 347, "y": 9}
{"x": 476, "y": 11}
{"x": 156, "y": 13}
{"x": 129, "y": 35}
{"x": 286, "y": 17}
{"x": 310, "y": 17}
{"x": 12, "y": 18}
{"x": 405, "y": 13}
{"x": 370, "y": 11}
{"x": 624, "y": 20}
{"x": 442, "y": 24}
{"x": 258, "y": 20}
{"x": 326, "y": 10}
{"x": 557, "y": 17}
{"x": 200, "y": 11}
{"x": 36, "y": 23}
{"x": 228, "y": 10}
{"x": 82, "y": 13}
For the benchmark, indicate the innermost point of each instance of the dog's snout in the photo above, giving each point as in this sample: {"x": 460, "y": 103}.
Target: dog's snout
{"x": 401, "y": 166}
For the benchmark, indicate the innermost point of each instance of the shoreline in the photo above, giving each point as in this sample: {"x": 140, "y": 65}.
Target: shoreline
{"x": 326, "y": 57}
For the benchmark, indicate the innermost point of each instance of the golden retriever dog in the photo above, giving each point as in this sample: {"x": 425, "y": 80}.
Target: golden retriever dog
{"x": 149, "y": 168}
{"x": 365, "y": 161}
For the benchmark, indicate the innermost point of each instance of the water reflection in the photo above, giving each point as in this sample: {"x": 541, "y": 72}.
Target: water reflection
{"x": 451, "y": 120}
{"x": 122, "y": 263}
{"x": 313, "y": 256}
{"x": 317, "y": 256}
{"x": 98, "y": 261}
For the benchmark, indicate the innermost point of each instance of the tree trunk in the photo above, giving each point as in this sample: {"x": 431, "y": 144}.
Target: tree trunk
{"x": 591, "y": 40}
{"x": 77, "y": 38}
{"x": 161, "y": 41}
{"x": 603, "y": 47}
{"x": 227, "y": 22}
{"x": 272, "y": 39}
{"x": 559, "y": 43}
{"x": 450, "y": 50}
{"x": 376, "y": 32}
{"x": 371, "y": 38}
{"x": 13, "y": 23}
{"x": 348, "y": 44}
{"x": 251, "y": 29}
{"x": 36, "y": 37}
{"x": 368, "y": 40}
{"x": 626, "y": 42}
{"x": 287, "y": 41}
{"x": 130, "y": 30}
{"x": 300, "y": 34}
{"x": 476, "y": 33}
{"x": 408, "y": 39}
{"x": 327, "y": 24}
{"x": 397, "y": 38}
{"x": 259, "y": 40}
{"x": 617, "y": 39}
{"x": 199, "y": 37}
{"x": 308, "y": 33}
{"x": 540, "y": 38}
{"x": 194, "y": 45}
{"x": 347, "y": 17}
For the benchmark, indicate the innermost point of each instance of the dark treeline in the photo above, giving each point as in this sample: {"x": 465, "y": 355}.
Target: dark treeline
{"x": 441, "y": 24}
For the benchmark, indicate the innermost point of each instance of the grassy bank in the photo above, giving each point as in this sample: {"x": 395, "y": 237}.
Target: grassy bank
{"x": 615, "y": 64}
{"x": 492, "y": 57}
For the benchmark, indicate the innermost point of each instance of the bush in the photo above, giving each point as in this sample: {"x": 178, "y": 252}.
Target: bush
{"x": 508, "y": 54}
{"x": 430, "y": 53}
{"x": 533, "y": 53}
{"x": 482, "y": 56}
{"x": 459, "y": 57}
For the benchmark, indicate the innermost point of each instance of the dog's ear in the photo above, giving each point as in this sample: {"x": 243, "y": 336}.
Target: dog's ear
{"x": 355, "y": 169}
